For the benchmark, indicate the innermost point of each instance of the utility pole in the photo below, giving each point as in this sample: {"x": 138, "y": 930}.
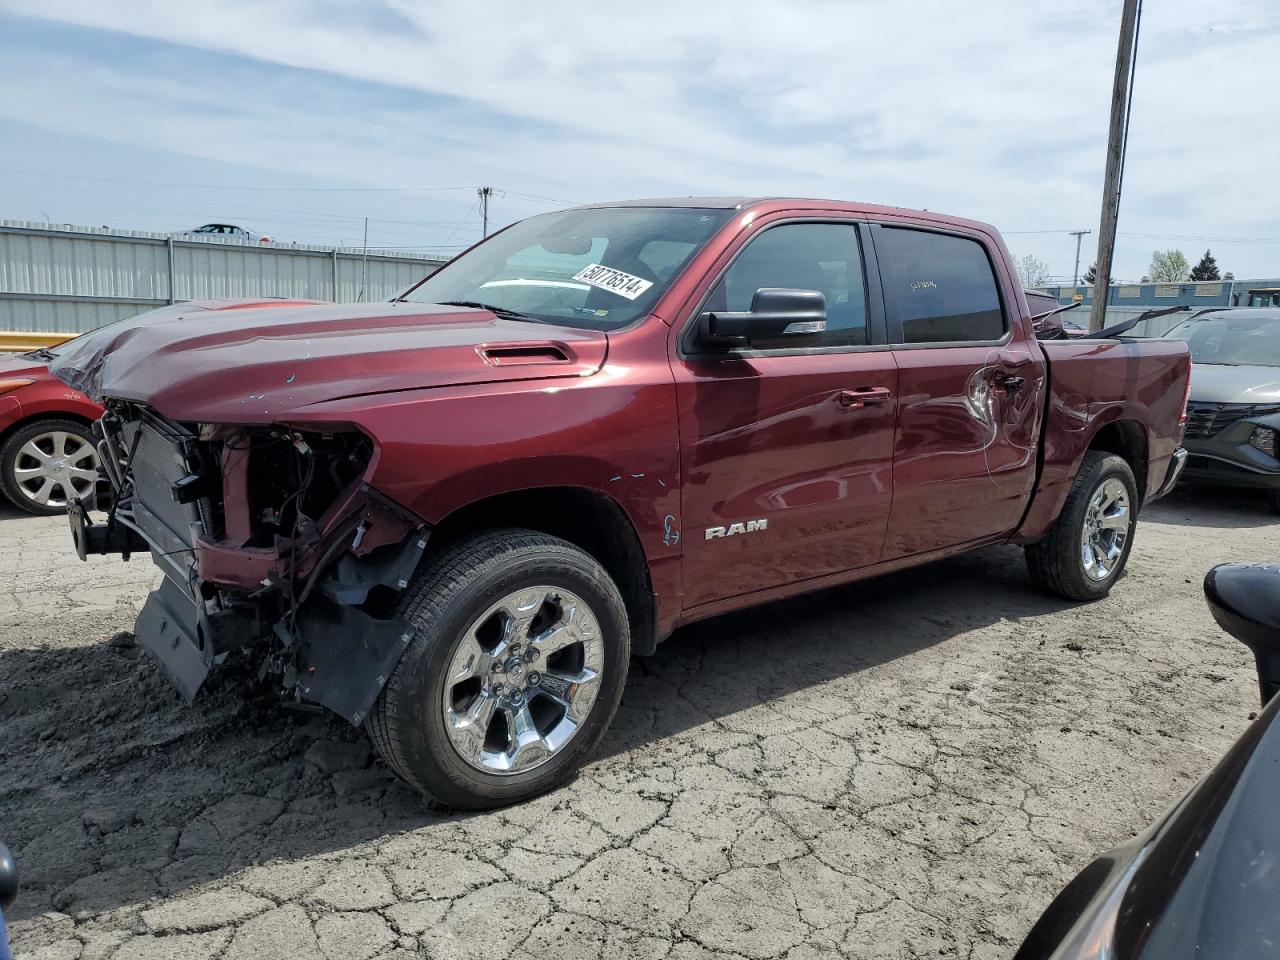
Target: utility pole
{"x": 485, "y": 193}
{"x": 364, "y": 260}
{"x": 1117, "y": 138}
{"x": 1078, "y": 234}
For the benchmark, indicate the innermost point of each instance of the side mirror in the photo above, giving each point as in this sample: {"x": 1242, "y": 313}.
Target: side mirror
{"x": 8, "y": 883}
{"x": 775, "y": 313}
{"x": 1245, "y": 600}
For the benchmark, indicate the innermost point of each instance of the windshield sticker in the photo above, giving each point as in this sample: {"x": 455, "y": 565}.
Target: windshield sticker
{"x": 615, "y": 281}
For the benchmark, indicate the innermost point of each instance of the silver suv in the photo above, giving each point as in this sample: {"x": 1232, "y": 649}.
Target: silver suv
{"x": 1234, "y": 413}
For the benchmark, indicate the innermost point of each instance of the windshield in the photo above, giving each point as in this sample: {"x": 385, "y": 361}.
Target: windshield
{"x": 1231, "y": 339}
{"x": 599, "y": 269}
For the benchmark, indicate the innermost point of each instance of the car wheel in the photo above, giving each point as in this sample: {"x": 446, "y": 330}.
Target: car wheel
{"x": 1086, "y": 549}
{"x": 518, "y": 660}
{"x": 1275, "y": 500}
{"x": 47, "y": 464}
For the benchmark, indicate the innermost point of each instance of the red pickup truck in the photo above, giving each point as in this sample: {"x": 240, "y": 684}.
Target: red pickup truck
{"x": 453, "y": 518}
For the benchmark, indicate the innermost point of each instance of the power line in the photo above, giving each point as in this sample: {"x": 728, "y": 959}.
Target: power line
{"x": 517, "y": 194}
{"x": 1173, "y": 236}
{"x": 230, "y": 186}
{"x": 155, "y": 202}
{"x": 462, "y": 221}
{"x": 537, "y": 197}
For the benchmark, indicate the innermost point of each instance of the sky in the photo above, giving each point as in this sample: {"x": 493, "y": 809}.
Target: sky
{"x": 300, "y": 118}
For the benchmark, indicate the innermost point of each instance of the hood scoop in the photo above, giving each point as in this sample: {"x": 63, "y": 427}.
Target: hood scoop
{"x": 524, "y": 354}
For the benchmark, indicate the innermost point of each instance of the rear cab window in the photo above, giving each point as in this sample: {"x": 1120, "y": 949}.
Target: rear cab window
{"x": 938, "y": 287}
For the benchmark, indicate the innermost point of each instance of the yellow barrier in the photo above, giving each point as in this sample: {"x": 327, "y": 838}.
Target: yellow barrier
{"x": 11, "y": 342}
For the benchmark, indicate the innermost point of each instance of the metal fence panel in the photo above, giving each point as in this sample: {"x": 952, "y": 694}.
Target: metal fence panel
{"x": 74, "y": 279}
{"x": 386, "y": 277}
{"x": 49, "y": 263}
{"x": 62, "y": 316}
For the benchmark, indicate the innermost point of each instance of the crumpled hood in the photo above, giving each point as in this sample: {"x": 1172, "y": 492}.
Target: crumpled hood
{"x": 20, "y": 365}
{"x": 230, "y": 362}
{"x": 1218, "y": 383}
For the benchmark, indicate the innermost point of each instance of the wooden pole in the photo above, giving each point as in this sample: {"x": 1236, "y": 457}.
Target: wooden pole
{"x": 1121, "y": 92}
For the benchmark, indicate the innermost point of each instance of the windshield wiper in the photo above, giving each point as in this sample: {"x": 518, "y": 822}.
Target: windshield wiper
{"x": 500, "y": 311}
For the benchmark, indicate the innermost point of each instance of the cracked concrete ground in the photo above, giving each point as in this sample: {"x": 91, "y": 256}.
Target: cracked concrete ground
{"x": 907, "y": 767}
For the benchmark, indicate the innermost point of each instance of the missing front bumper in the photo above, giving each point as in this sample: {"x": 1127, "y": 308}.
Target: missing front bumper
{"x": 314, "y": 608}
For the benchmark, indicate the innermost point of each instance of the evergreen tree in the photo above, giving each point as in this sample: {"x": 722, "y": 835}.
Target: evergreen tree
{"x": 1206, "y": 269}
{"x": 1091, "y": 275}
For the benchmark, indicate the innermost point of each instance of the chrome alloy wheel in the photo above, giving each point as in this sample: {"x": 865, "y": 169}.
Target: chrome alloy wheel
{"x": 55, "y": 468}
{"x": 523, "y": 679}
{"x": 1106, "y": 529}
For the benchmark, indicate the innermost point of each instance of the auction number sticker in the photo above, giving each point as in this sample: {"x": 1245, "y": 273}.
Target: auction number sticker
{"x": 615, "y": 281}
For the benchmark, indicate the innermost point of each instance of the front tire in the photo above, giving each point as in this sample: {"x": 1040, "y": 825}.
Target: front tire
{"x": 516, "y": 667}
{"x": 46, "y": 464}
{"x": 1086, "y": 550}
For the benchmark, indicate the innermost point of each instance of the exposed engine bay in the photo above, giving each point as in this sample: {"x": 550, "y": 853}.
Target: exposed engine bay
{"x": 272, "y": 546}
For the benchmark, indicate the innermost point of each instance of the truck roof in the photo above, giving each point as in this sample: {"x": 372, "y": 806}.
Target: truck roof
{"x": 774, "y": 204}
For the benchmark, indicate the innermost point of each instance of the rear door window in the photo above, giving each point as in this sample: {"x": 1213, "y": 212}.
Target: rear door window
{"x": 941, "y": 288}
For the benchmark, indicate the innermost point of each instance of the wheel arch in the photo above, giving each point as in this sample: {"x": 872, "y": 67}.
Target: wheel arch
{"x": 1128, "y": 440}
{"x": 1124, "y": 436}
{"x": 44, "y": 415}
{"x": 590, "y": 520}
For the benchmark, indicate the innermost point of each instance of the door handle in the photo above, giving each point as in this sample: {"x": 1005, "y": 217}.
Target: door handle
{"x": 863, "y": 397}
{"x": 1011, "y": 384}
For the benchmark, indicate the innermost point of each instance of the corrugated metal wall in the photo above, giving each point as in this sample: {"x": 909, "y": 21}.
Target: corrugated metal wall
{"x": 1199, "y": 294}
{"x": 72, "y": 279}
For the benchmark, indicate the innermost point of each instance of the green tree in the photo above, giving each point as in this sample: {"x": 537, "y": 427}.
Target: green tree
{"x": 1169, "y": 266}
{"x": 1206, "y": 269}
{"x": 1091, "y": 275}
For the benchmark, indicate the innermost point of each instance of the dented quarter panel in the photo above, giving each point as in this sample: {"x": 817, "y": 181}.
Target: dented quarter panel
{"x": 1094, "y": 383}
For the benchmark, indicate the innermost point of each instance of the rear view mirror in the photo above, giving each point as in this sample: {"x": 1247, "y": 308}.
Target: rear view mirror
{"x": 775, "y": 313}
{"x": 567, "y": 245}
{"x": 1245, "y": 600}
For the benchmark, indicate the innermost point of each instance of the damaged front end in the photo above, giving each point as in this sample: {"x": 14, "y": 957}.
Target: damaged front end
{"x": 272, "y": 545}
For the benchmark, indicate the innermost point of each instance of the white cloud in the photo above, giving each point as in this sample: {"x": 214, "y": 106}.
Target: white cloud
{"x": 996, "y": 110}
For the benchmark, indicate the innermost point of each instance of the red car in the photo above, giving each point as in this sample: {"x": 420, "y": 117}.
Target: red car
{"x": 453, "y": 518}
{"x": 47, "y": 456}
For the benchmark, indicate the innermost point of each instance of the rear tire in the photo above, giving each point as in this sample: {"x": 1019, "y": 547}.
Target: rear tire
{"x": 46, "y": 463}
{"x": 516, "y": 667}
{"x": 1087, "y": 548}
{"x": 1275, "y": 500}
